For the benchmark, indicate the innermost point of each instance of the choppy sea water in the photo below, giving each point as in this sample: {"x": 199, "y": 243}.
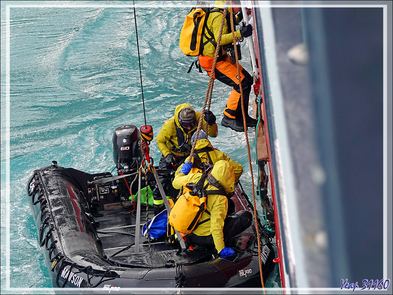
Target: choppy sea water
{"x": 73, "y": 78}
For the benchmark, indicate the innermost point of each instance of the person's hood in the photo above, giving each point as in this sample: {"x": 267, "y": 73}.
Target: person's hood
{"x": 202, "y": 143}
{"x": 221, "y": 4}
{"x": 177, "y": 112}
{"x": 225, "y": 175}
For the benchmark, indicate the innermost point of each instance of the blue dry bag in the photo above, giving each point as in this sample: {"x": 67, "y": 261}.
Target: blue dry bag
{"x": 157, "y": 226}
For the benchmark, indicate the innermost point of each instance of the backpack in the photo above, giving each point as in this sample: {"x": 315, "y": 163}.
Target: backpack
{"x": 189, "y": 207}
{"x": 194, "y": 25}
{"x": 156, "y": 227}
{"x": 198, "y": 165}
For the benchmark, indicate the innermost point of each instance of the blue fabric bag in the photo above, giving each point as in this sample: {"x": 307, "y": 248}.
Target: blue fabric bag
{"x": 157, "y": 226}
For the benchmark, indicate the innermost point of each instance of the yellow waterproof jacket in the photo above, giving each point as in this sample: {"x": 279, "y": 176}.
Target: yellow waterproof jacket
{"x": 172, "y": 135}
{"x": 214, "y": 24}
{"x": 217, "y": 205}
{"x": 215, "y": 156}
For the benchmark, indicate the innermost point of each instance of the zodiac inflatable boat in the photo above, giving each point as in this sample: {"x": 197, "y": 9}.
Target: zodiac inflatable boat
{"x": 90, "y": 234}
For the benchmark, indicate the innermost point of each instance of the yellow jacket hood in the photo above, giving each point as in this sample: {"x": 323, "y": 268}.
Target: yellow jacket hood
{"x": 219, "y": 4}
{"x": 215, "y": 156}
{"x": 177, "y": 112}
{"x": 224, "y": 174}
{"x": 167, "y": 138}
{"x": 202, "y": 143}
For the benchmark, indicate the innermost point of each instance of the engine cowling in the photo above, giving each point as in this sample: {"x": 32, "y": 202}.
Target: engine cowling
{"x": 127, "y": 152}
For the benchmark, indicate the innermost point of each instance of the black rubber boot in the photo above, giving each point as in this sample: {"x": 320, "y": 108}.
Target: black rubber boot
{"x": 251, "y": 122}
{"x": 233, "y": 124}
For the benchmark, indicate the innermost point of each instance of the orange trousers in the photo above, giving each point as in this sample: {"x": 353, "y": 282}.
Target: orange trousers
{"x": 226, "y": 72}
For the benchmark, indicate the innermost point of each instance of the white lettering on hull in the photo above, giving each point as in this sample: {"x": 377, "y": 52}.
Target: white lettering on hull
{"x": 244, "y": 272}
{"x": 71, "y": 277}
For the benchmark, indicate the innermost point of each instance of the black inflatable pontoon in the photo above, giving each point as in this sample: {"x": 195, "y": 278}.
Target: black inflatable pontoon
{"x": 86, "y": 226}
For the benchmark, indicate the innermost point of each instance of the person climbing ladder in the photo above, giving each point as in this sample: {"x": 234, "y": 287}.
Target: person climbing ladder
{"x": 226, "y": 70}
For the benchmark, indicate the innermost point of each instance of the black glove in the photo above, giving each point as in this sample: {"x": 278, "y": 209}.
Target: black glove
{"x": 246, "y": 31}
{"x": 209, "y": 117}
{"x": 169, "y": 160}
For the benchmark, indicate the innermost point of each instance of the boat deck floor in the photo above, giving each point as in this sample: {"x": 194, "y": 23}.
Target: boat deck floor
{"x": 116, "y": 230}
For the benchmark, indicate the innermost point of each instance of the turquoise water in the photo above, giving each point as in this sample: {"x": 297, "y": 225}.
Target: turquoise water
{"x": 74, "y": 78}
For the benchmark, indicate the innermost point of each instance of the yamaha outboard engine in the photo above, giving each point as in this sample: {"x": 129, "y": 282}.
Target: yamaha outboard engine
{"x": 127, "y": 152}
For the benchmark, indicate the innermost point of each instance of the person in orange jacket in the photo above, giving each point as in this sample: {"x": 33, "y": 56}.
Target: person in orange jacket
{"x": 226, "y": 70}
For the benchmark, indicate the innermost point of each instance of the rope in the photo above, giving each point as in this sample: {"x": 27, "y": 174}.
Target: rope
{"x": 180, "y": 276}
{"x": 144, "y": 116}
{"x": 248, "y": 150}
{"x": 209, "y": 88}
{"x": 139, "y": 62}
{"x": 147, "y": 211}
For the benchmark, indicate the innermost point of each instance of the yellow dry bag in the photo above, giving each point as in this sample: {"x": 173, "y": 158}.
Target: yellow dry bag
{"x": 188, "y": 209}
{"x": 186, "y": 213}
{"x": 190, "y": 41}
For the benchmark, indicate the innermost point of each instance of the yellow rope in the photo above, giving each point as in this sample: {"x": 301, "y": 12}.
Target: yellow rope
{"x": 248, "y": 150}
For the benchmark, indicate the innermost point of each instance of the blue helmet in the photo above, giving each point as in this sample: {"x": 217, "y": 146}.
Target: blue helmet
{"x": 201, "y": 135}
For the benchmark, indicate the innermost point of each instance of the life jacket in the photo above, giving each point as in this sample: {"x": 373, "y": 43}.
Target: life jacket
{"x": 182, "y": 141}
{"x": 189, "y": 207}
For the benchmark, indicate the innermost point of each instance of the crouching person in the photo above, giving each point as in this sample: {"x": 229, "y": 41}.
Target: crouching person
{"x": 215, "y": 228}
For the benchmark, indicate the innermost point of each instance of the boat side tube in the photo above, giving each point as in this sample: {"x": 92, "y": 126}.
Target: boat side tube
{"x": 67, "y": 232}
{"x": 74, "y": 255}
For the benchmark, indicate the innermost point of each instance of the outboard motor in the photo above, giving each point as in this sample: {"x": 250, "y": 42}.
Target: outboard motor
{"x": 127, "y": 152}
